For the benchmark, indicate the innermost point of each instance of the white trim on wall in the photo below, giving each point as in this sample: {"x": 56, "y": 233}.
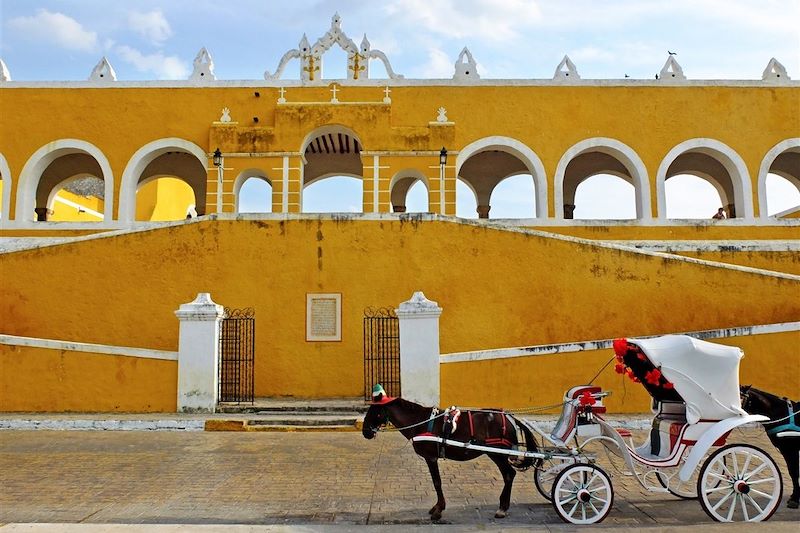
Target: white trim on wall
{"x": 763, "y": 171}
{"x": 105, "y": 349}
{"x": 5, "y": 199}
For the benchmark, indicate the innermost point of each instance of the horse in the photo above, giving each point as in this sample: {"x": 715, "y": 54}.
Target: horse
{"x": 487, "y": 427}
{"x": 784, "y": 434}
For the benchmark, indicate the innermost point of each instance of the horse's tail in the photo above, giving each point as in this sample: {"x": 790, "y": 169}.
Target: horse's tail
{"x": 530, "y": 446}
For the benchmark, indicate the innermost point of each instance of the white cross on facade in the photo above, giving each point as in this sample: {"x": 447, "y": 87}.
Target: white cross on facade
{"x": 386, "y": 99}
{"x": 282, "y": 92}
{"x": 334, "y": 90}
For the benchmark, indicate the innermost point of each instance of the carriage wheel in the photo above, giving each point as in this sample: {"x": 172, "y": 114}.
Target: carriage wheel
{"x": 582, "y": 494}
{"x": 740, "y": 483}
{"x": 545, "y": 475}
{"x": 685, "y": 490}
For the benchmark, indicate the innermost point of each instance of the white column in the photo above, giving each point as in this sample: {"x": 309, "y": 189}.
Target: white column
{"x": 198, "y": 348}
{"x": 419, "y": 349}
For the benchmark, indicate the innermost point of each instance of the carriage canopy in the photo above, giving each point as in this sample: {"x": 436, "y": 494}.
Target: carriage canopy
{"x": 706, "y": 375}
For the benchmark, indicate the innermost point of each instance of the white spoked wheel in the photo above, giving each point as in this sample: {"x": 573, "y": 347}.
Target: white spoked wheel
{"x": 740, "y": 483}
{"x": 582, "y": 494}
{"x": 545, "y": 475}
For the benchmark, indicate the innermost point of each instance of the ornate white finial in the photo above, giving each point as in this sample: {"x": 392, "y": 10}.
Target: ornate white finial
{"x": 5, "y": 75}
{"x": 775, "y": 71}
{"x": 466, "y": 67}
{"x": 336, "y": 20}
{"x": 419, "y": 305}
{"x": 442, "y": 115}
{"x": 103, "y": 71}
{"x": 566, "y": 70}
{"x": 282, "y": 97}
{"x": 203, "y": 66}
{"x": 226, "y": 115}
{"x": 304, "y": 44}
{"x": 365, "y": 45}
{"x": 671, "y": 71}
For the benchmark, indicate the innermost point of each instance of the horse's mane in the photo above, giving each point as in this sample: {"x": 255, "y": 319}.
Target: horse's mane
{"x": 408, "y": 405}
{"x": 766, "y": 394}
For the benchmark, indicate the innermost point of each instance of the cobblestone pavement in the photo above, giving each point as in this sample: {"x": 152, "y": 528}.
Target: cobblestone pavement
{"x": 286, "y": 478}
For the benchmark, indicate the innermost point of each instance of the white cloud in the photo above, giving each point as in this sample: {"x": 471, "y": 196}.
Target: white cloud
{"x": 56, "y": 28}
{"x": 152, "y": 26}
{"x": 493, "y": 20}
{"x": 164, "y": 67}
{"x": 439, "y": 65}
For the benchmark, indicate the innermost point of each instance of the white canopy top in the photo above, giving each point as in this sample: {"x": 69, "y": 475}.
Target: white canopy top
{"x": 706, "y": 375}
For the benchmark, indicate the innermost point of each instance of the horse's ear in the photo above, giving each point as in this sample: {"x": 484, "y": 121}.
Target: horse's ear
{"x": 744, "y": 388}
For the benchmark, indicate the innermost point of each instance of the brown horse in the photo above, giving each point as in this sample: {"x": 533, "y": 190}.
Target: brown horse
{"x": 487, "y": 427}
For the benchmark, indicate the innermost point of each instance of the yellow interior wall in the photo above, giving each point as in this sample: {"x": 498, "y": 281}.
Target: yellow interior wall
{"x": 742, "y": 117}
{"x": 788, "y": 262}
{"x": 40, "y": 379}
{"x": 163, "y": 199}
{"x": 498, "y": 288}
{"x": 770, "y": 363}
{"x": 66, "y": 213}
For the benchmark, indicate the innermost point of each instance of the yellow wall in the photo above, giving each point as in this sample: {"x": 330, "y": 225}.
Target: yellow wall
{"x": 40, "y": 379}
{"x": 788, "y": 262}
{"x": 711, "y": 232}
{"x": 498, "y": 288}
{"x": 163, "y": 199}
{"x": 742, "y": 117}
{"x": 64, "y": 212}
{"x": 770, "y": 363}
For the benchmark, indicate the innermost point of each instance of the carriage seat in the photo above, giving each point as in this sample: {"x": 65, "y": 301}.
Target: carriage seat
{"x": 573, "y": 419}
{"x": 666, "y": 430}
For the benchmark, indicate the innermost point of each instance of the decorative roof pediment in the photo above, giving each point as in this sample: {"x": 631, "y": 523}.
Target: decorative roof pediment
{"x": 466, "y": 67}
{"x": 311, "y": 56}
{"x": 103, "y": 71}
{"x": 5, "y": 75}
{"x": 566, "y": 70}
{"x": 203, "y": 66}
{"x": 775, "y": 71}
{"x": 671, "y": 71}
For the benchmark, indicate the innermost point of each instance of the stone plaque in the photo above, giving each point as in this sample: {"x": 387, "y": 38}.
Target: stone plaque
{"x": 324, "y": 317}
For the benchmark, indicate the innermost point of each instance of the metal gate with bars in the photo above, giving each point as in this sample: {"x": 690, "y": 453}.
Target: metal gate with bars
{"x": 381, "y": 351}
{"x": 237, "y": 336}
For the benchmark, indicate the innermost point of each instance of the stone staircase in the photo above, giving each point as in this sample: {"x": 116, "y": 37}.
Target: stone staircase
{"x": 290, "y": 414}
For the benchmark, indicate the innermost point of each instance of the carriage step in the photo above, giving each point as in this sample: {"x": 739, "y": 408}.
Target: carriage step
{"x": 268, "y": 406}
{"x": 304, "y": 420}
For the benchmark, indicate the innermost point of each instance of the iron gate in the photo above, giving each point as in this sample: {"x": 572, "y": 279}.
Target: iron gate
{"x": 381, "y": 351}
{"x": 237, "y": 336}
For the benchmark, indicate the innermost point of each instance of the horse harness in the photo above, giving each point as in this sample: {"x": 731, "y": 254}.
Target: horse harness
{"x": 790, "y": 428}
{"x": 450, "y": 420}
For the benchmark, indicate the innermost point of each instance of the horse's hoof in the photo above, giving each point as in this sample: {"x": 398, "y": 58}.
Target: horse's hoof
{"x": 792, "y": 504}
{"x": 435, "y": 517}
{"x": 500, "y": 514}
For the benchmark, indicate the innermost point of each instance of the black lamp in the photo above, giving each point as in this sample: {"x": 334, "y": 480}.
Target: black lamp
{"x": 443, "y": 156}
{"x": 217, "y": 157}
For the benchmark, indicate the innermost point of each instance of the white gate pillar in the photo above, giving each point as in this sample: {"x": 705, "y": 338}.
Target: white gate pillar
{"x": 198, "y": 348}
{"x": 419, "y": 349}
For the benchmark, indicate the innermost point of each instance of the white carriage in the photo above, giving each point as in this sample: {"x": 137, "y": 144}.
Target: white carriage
{"x": 695, "y": 390}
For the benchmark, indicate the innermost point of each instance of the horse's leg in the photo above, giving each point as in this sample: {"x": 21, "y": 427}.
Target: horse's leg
{"x": 791, "y": 453}
{"x": 436, "y": 510}
{"x": 508, "y": 473}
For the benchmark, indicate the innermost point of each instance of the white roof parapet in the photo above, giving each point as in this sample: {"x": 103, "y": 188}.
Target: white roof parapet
{"x": 203, "y": 66}
{"x": 103, "y": 71}
{"x": 466, "y": 67}
{"x": 671, "y": 71}
{"x": 566, "y": 70}
{"x": 5, "y": 75}
{"x": 311, "y": 56}
{"x": 775, "y": 71}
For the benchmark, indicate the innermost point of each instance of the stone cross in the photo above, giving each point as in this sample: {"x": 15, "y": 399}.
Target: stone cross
{"x": 386, "y": 99}
{"x": 282, "y": 92}
{"x": 334, "y": 90}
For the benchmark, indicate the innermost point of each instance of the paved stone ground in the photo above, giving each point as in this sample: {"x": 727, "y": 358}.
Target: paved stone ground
{"x": 285, "y": 478}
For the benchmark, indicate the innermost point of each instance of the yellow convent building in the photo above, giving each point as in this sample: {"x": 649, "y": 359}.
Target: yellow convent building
{"x": 120, "y": 203}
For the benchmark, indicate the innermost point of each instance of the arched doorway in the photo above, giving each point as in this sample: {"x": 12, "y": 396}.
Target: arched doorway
{"x": 332, "y": 171}
{"x": 253, "y": 192}
{"x": 605, "y": 197}
{"x": 779, "y": 178}
{"x": 601, "y": 156}
{"x": 715, "y": 163}
{"x": 410, "y": 192}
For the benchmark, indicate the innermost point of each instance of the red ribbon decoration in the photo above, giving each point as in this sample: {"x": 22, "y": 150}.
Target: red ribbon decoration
{"x": 587, "y": 399}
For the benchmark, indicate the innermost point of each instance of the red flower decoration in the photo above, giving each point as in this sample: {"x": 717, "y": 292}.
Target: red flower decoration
{"x": 641, "y": 356}
{"x": 619, "y": 368}
{"x": 587, "y": 399}
{"x": 668, "y": 385}
{"x": 653, "y": 377}
{"x": 620, "y": 348}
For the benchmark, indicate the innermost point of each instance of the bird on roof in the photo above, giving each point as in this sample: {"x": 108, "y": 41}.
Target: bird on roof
{"x": 672, "y": 53}
{"x": 627, "y": 76}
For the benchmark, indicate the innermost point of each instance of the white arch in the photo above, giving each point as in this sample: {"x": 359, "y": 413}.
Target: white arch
{"x": 521, "y": 152}
{"x": 323, "y": 130}
{"x": 727, "y": 157}
{"x": 769, "y": 158}
{"x": 143, "y": 157}
{"x": 619, "y": 151}
{"x": 413, "y": 174}
{"x": 243, "y": 177}
{"x": 5, "y": 201}
{"x": 41, "y": 159}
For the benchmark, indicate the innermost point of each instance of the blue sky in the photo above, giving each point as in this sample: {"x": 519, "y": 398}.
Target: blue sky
{"x": 157, "y": 39}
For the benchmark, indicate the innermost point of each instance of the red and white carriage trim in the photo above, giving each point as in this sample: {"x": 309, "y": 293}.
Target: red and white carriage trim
{"x": 694, "y": 386}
